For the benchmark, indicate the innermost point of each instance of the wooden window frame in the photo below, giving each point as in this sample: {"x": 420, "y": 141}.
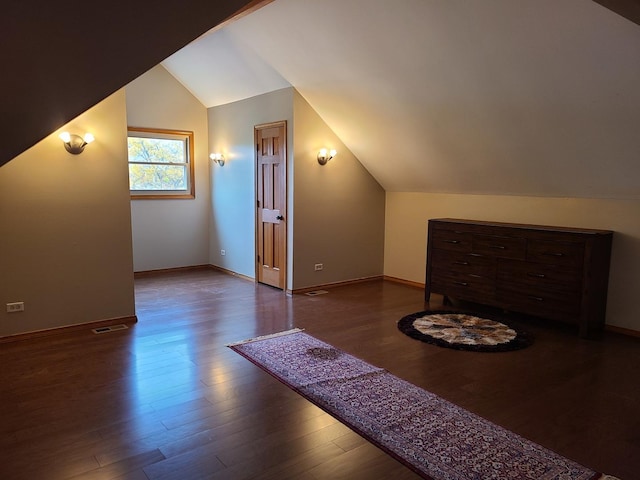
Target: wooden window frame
{"x": 190, "y": 192}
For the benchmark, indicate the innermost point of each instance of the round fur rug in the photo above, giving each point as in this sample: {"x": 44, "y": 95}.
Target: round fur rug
{"x": 463, "y": 331}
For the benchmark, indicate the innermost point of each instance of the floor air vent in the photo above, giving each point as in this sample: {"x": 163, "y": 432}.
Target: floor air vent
{"x": 111, "y": 328}
{"x": 316, "y": 292}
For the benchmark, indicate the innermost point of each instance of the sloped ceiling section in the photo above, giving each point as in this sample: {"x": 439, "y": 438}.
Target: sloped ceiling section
{"x": 59, "y": 59}
{"x": 219, "y": 69}
{"x": 627, "y": 8}
{"x": 535, "y": 97}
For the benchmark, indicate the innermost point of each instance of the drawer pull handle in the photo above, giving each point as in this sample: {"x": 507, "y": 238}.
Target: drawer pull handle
{"x": 554, "y": 254}
{"x": 475, "y": 276}
{"x": 461, "y": 263}
{"x": 462, "y": 284}
{"x": 537, "y": 275}
{"x": 455, "y": 242}
{"x": 498, "y": 247}
{"x": 537, "y": 299}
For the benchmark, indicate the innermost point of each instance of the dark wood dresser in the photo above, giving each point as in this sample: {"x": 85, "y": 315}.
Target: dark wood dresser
{"x": 551, "y": 272}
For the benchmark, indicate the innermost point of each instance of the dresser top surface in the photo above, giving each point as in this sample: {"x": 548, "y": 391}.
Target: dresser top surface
{"x": 582, "y": 231}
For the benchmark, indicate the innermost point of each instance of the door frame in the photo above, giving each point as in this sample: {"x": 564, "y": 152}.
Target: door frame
{"x": 280, "y": 123}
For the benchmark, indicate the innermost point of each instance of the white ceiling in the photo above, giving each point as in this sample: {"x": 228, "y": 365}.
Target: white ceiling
{"x": 534, "y": 97}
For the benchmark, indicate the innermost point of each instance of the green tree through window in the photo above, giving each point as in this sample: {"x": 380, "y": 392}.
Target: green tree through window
{"x": 160, "y": 163}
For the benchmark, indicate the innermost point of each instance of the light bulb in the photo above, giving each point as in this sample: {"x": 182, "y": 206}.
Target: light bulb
{"x": 65, "y": 137}
{"x": 88, "y": 137}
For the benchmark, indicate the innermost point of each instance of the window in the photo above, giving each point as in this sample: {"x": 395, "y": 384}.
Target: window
{"x": 160, "y": 163}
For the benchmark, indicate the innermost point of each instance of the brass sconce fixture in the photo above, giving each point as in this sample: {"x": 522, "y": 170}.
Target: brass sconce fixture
{"x": 325, "y": 155}
{"x": 217, "y": 158}
{"x": 75, "y": 144}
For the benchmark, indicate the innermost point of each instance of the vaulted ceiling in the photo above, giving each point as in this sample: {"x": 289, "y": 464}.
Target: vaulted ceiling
{"x": 535, "y": 97}
{"x": 530, "y": 97}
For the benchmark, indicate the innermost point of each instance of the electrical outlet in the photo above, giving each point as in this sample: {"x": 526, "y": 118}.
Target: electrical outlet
{"x": 15, "y": 307}
{"x": 223, "y": 252}
{"x": 318, "y": 266}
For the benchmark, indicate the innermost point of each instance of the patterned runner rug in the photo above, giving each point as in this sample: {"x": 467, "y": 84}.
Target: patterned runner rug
{"x": 430, "y": 435}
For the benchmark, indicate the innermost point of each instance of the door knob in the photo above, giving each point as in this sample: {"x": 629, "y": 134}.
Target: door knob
{"x": 280, "y": 217}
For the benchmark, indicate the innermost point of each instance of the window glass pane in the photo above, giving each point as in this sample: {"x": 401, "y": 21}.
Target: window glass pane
{"x": 157, "y": 177}
{"x": 161, "y": 163}
{"x": 159, "y": 150}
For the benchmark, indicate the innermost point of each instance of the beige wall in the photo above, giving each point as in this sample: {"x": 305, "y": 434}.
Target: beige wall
{"x": 65, "y": 230}
{"x": 335, "y": 213}
{"x": 406, "y": 234}
{"x": 233, "y": 196}
{"x": 338, "y": 208}
{"x": 170, "y": 233}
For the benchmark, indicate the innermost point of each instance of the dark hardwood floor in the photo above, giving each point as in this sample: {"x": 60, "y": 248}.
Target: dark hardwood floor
{"x": 166, "y": 399}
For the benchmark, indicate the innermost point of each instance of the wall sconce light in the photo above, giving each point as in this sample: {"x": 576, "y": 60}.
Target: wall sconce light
{"x": 218, "y": 158}
{"x": 325, "y": 155}
{"x": 75, "y": 143}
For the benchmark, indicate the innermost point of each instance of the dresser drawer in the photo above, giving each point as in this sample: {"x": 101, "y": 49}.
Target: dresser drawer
{"x": 500, "y": 246}
{"x": 539, "y": 275}
{"x": 557, "y": 253}
{"x": 466, "y": 263}
{"x": 453, "y": 240}
{"x": 537, "y": 301}
{"x": 465, "y": 286}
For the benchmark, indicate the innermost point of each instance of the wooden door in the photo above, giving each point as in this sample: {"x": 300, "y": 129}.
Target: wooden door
{"x": 271, "y": 193}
